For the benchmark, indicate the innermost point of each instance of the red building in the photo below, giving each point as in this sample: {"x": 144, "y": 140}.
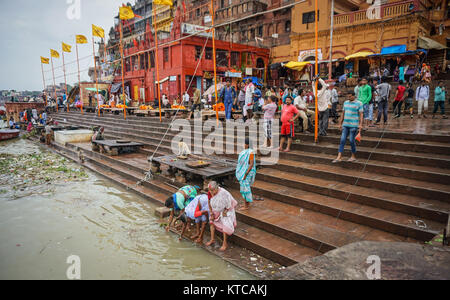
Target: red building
{"x": 180, "y": 62}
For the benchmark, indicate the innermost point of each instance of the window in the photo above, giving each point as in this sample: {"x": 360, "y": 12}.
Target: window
{"x": 142, "y": 62}
{"x": 310, "y": 17}
{"x": 260, "y": 31}
{"x": 222, "y": 3}
{"x": 198, "y": 12}
{"x": 287, "y": 26}
{"x": 152, "y": 59}
{"x": 234, "y": 59}
{"x": 146, "y": 60}
{"x": 222, "y": 58}
{"x": 208, "y": 53}
{"x": 166, "y": 54}
{"x": 198, "y": 52}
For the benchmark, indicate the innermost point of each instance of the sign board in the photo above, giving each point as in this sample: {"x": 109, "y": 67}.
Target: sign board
{"x": 233, "y": 74}
{"x": 195, "y": 29}
{"x": 249, "y": 71}
{"x": 308, "y": 53}
{"x": 173, "y": 78}
{"x": 208, "y": 19}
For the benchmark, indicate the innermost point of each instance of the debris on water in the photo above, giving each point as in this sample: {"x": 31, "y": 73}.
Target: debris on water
{"x": 253, "y": 259}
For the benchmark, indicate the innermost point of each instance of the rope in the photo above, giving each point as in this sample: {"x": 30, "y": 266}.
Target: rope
{"x": 148, "y": 175}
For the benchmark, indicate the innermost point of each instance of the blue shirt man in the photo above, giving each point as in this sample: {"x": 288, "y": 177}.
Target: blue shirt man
{"x": 228, "y": 94}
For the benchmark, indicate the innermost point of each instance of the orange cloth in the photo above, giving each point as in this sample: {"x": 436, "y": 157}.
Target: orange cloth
{"x": 219, "y": 107}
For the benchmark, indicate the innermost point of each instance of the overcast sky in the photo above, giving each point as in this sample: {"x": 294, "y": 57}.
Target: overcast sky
{"x": 29, "y": 28}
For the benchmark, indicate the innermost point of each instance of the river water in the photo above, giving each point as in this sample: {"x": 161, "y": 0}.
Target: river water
{"x": 113, "y": 232}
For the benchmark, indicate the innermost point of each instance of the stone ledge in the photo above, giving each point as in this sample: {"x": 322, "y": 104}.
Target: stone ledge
{"x": 399, "y": 261}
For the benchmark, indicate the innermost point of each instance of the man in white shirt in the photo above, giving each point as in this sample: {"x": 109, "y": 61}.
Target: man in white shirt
{"x": 249, "y": 91}
{"x": 422, "y": 96}
{"x": 186, "y": 99}
{"x": 301, "y": 103}
{"x": 323, "y": 103}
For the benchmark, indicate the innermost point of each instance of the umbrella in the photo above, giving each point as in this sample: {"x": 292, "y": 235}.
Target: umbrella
{"x": 212, "y": 90}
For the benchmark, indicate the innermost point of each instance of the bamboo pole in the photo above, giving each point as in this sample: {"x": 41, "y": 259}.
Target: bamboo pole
{"x": 123, "y": 78}
{"x": 316, "y": 132}
{"x": 214, "y": 59}
{"x": 54, "y": 84}
{"x": 95, "y": 74}
{"x": 65, "y": 80}
{"x": 79, "y": 77}
{"x": 43, "y": 80}
{"x": 330, "y": 66}
{"x": 156, "y": 61}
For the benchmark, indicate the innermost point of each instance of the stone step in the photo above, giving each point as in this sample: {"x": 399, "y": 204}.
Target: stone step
{"x": 259, "y": 241}
{"x": 374, "y": 132}
{"x": 404, "y": 229}
{"x": 421, "y": 158}
{"x": 431, "y": 190}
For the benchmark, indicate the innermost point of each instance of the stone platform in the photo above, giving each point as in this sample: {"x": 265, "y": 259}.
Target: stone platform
{"x": 397, "y": 191}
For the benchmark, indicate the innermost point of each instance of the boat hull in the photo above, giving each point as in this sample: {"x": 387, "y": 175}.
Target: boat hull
{"x": 8, "y": 134}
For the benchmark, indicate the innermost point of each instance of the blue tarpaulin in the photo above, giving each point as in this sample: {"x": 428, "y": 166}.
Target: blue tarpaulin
{"x": 393, "y": 49}
{"x": 255, "y": 80}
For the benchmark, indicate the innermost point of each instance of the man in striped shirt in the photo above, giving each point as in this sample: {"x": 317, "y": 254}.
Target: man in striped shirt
{"x": 350, "y": 124}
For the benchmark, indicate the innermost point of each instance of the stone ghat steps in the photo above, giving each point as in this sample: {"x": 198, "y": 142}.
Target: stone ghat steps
{"x": 155, "y": 123}
{"x": 309, "y": 227}
{"x": 416, "y": 206}
{"x": 431, "y": 174}
{"x": 262, "y": 242}
{"x": 395, "y": 143}
{"x": 139, "y": 164}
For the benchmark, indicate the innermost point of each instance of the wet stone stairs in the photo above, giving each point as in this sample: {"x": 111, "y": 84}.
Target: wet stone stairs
{"x": 310, "y": 205}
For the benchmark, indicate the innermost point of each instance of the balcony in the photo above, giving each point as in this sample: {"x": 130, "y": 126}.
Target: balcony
{"x": 386, "y": 11}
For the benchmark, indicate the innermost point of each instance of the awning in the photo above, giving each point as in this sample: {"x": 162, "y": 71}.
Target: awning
{"x": 412, "y": 52}
{"x": 162, "y": 81}
{"x": 428, "y": 43}
{"x": 115, "y": 87}
{"x": 393, "y": 50}
{"x": 297, "y": 66}
{"x": 358, "y": 55}
{"x": 94, "y": 89}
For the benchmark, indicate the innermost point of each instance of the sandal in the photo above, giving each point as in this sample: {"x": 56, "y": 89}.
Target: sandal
{"x": 337, "y": 161}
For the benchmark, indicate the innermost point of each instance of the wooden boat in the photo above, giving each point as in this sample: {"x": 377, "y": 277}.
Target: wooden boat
{"x": 7, "y": 134}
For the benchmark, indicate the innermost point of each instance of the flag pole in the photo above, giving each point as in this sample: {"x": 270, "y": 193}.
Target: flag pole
{"x": 330, "y": 66}
{"x": 65, "y": 80}
{"x": 54, "y": 84}
{"x": 123, "y": 79}
{"x": 316, "y": 82}
{"x": 43, "y": 80}
{"x": 79, "y": 78}
{"x": 95, "y": 74}
{"x": 156, "y": 62}
{"x": 214, "y": 59}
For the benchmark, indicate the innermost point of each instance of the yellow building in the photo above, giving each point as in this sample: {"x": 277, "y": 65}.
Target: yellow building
{"x": 360, "y": 26}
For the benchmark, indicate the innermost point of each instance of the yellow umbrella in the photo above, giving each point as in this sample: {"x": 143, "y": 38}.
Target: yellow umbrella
{"x": 359, "y": 55}
{"x": 298, "y": 66}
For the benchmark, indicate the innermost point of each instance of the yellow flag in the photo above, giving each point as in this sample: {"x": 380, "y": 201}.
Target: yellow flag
{"x": 81, "y": 39}
{"x": 54, "y": 53}
{"x": 45, "y": 60}
{"x": 98, "y": 31}
{"x": 66, "y": 48}
{"x": 163, "y": 2}
{"x": 126, "y": 13}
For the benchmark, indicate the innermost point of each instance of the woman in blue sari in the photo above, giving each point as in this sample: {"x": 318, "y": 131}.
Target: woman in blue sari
{"x": 245, "y": 173}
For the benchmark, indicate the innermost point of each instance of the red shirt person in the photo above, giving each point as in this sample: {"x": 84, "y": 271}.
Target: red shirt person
{"x": 289, "y": 114}
{"x": 398, "y": 99}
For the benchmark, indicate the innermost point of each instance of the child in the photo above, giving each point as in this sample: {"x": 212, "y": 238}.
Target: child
{"x": 409, "y": 100}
